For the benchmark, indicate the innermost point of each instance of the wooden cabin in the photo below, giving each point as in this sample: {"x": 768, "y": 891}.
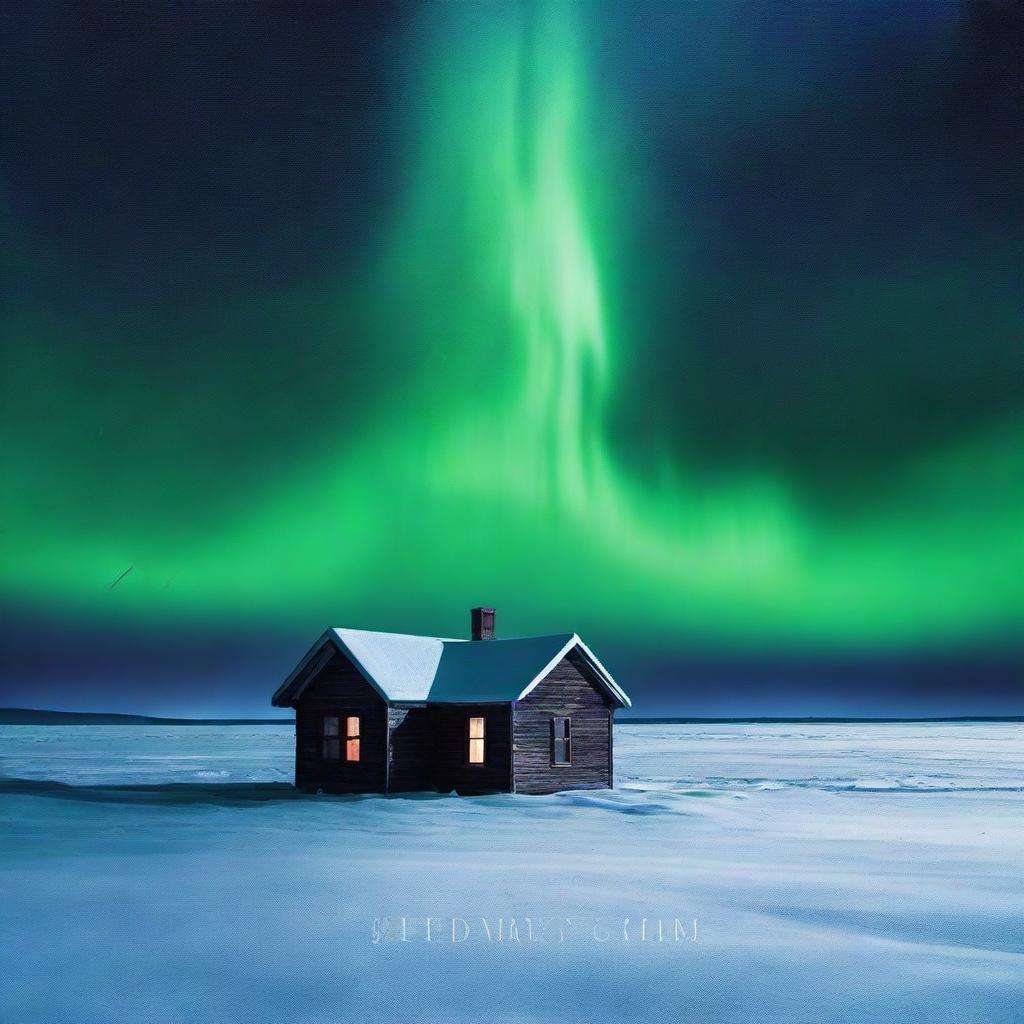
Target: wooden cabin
{"x": 391, "y": 713}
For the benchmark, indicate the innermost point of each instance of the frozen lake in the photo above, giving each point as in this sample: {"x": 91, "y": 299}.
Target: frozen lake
{"x": 834, "y": 872}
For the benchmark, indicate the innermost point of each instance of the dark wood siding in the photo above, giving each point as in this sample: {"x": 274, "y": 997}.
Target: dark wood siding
{"x": 452, "y": 770}
{"x": 567, "y": 690}
{"x": 412, "y": 749}
{"x": 338, "y": 688}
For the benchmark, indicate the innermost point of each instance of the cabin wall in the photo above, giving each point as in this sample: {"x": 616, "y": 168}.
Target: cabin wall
{"x": 566, "y": 691}
{"x": 340, "y": 689}
{"x": 411, "y": 749}
{"x": 450, "y": 728}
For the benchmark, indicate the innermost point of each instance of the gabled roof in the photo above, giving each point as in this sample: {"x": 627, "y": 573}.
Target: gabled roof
{"x": 427, "y": 669}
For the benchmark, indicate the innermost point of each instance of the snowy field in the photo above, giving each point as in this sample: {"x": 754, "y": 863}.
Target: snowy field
{"x": 169, "y": 875}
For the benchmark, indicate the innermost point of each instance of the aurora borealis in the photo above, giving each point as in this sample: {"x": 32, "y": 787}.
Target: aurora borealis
{"x": 681, "y": 325}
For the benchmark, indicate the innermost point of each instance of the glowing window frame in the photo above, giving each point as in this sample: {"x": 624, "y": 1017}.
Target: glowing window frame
{"x": 476, "y": 738}
{"x": 352, "y": 738}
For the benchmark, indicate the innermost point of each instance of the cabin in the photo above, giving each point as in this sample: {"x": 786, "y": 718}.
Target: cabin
{"x": 392, "y": 713}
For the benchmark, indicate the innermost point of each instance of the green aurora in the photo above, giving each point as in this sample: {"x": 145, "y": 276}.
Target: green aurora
{"x": 463, "y": 403}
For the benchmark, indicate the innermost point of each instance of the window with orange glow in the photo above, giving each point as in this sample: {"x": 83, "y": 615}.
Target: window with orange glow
{"x": 352, "y": 738}
{"x": 476, "y": 741}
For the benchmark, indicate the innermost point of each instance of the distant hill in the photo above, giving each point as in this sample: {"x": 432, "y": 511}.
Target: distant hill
{"x": 33, "y": 716}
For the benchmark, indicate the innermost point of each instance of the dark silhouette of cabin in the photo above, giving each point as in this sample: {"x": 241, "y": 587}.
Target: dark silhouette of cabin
{"x": 390, "y": 713}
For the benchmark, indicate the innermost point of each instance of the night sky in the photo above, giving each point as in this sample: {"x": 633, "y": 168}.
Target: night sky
{"x": 697, "y": 328}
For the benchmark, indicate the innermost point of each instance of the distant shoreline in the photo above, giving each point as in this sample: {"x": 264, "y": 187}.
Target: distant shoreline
{"x": 35, "y": 716}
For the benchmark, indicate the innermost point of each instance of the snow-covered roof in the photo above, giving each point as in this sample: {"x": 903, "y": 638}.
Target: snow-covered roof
{"x": 420, "y": 669}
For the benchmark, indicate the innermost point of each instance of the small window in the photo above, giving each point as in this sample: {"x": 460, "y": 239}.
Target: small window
{"x": 476, "y": 741}
{"x": 561, "y": 752}
{"x": 352, "y": 738}
{"x": 332, "y": 740}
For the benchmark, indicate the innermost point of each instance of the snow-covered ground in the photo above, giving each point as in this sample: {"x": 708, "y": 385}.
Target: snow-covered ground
{"x": 169, "y": 875}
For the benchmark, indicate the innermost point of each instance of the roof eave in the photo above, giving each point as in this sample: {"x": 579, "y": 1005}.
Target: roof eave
{"x": 616, "y": 691}
{"x": 604, "y": 676}
{"x": 283, "y": 699}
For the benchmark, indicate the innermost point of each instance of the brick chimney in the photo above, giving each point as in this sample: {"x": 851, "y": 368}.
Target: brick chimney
{"x": 482, "y": 623}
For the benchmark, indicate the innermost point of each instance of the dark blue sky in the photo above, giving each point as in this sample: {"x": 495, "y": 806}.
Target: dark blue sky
{"x": 813, "y": 309}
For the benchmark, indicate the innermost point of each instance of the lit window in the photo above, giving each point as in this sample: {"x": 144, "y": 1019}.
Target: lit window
{"x": 476, "y": 741}
{"x": 561, "y": 752}
{"x": 352, "y": 738}
{"x": 332, "y": 740}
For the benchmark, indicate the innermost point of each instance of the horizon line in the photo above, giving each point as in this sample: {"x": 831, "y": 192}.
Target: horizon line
{"x": 129, "y": 718}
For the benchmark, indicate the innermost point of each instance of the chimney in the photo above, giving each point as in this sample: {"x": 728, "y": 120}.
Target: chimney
{"x": 482, "y": 623}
